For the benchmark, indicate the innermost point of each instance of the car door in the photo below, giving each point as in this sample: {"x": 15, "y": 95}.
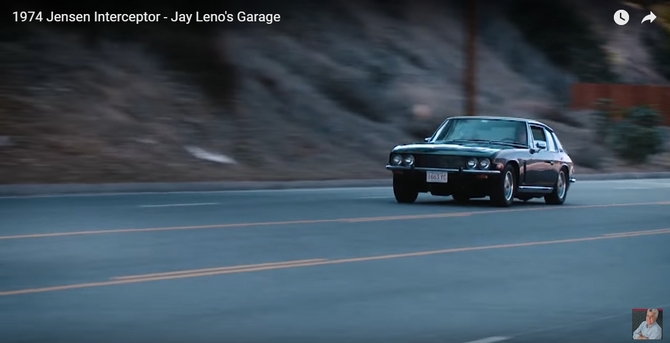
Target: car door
{"x": 538, "y": 165}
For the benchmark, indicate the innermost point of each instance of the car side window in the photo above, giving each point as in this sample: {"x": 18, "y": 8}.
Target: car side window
{"x": 550, "y": 141}
{"x": 538, "y": 134}
{"x": 559, "y": 147}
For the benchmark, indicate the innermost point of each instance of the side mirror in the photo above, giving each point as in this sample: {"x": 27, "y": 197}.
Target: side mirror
{"x": 427, "y": 139}
{"x": 541, "y": 145}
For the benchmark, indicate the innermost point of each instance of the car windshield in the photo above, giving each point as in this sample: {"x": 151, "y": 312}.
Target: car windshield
{"x": 495, "y": 130}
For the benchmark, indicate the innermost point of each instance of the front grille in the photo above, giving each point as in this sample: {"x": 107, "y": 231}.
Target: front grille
{"x": 438, "y": 161}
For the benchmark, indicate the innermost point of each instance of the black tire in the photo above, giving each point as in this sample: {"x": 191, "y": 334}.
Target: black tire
{"x": 560, "y": 192}
{"x": 461, "y": 198}
{"x": 403, "y": 191}
{"x": 504, "y": 189}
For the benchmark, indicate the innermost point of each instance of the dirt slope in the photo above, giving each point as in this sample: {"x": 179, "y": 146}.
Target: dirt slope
{"x": 322, "y": 96}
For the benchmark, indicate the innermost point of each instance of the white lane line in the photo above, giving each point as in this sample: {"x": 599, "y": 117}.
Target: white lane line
{"x": 571, "y": 325}
{"x": 561, "y": 326}
{"x": 241, "y": 192}
{"x": 178, "y": 205}
{"x": 490, "y": 340}
{"x": 640, "y": 188}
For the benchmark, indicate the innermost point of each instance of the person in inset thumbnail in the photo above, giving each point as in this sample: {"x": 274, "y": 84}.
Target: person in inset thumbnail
{"x": 649, "y": 329}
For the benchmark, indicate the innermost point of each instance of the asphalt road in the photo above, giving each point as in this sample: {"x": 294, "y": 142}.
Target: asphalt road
{"x": 332, "y": 265}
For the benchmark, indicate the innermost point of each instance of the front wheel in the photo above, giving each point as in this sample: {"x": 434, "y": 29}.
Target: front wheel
{"x": 560, "y": 192}
{"x": 403, "y": 191}
{"x": 503, "y": 190}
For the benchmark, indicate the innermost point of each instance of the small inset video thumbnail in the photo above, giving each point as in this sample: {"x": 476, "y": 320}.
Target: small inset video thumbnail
{"x": 647, "y": 323}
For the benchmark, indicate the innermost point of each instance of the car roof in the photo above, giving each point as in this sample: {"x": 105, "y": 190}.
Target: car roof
{"x": 519, "y": 119}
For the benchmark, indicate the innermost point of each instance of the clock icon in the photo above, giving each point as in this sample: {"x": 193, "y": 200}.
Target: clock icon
{"x": 621, "y": 17}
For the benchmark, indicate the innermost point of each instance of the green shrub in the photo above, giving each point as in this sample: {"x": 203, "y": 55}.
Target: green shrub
{"x": 562, "y": 34}
{"x": 603, "y": 119}
{"x": 634, "y": 133}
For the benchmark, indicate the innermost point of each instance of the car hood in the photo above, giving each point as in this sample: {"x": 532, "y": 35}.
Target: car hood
{"x": 452, "y": 149}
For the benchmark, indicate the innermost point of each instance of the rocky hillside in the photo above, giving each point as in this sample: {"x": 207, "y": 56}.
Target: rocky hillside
{"x": 323, "y": 94}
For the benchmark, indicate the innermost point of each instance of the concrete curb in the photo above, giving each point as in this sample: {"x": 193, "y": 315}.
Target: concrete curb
{"x": 158, "y": 187}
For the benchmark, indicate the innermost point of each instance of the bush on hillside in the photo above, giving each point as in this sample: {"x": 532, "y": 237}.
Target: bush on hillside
{"x": 604, "y": 117}
{"x": 564, "y": 36}
{"x": 633, "y": 133}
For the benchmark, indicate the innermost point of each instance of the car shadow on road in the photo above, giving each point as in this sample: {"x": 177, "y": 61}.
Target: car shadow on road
{"x": 476, "y": 203}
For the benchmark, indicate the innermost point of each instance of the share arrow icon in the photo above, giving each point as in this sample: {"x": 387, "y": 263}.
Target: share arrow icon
{"x": 651, "y": 17}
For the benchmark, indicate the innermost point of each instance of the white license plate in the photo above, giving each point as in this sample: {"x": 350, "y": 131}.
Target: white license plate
{"x": 437, "y": 177}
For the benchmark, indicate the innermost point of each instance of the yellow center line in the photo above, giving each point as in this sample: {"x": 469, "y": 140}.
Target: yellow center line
{"x": 216, "y": 269}
{"x": 407, "y": 217}
{"x": 636, "y": 232}
{"x": 322, "y": 221}
{"x": 317, "y": 262}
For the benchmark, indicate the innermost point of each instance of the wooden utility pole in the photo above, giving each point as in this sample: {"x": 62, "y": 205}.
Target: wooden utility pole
{"x": 470, "y": 77}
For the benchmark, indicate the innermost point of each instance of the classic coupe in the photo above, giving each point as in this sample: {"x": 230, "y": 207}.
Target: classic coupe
{"x": 502, "y": 158}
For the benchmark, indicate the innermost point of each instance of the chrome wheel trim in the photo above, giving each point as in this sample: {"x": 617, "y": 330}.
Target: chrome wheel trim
{"x": 560, "y": 185}
{"x": 508, "y": 186}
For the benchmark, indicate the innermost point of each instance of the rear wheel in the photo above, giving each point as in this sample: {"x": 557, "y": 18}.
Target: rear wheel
{"x": 503, "y": 190}
{"x": 403, "y": 191}
{"x": 560, "y": 192}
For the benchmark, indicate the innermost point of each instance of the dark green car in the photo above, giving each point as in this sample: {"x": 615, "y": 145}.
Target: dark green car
{"x": 474, "y": 157}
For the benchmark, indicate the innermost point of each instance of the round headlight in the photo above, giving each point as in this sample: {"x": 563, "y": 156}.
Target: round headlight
{"x": 471, "y": 163}
{"x": 484, "y": 163}
{"x": 409, "y": 160}
{"x": 396, "y": 160}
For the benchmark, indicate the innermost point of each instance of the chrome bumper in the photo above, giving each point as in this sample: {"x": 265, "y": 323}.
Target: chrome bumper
{"x": 467, "y": 171}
